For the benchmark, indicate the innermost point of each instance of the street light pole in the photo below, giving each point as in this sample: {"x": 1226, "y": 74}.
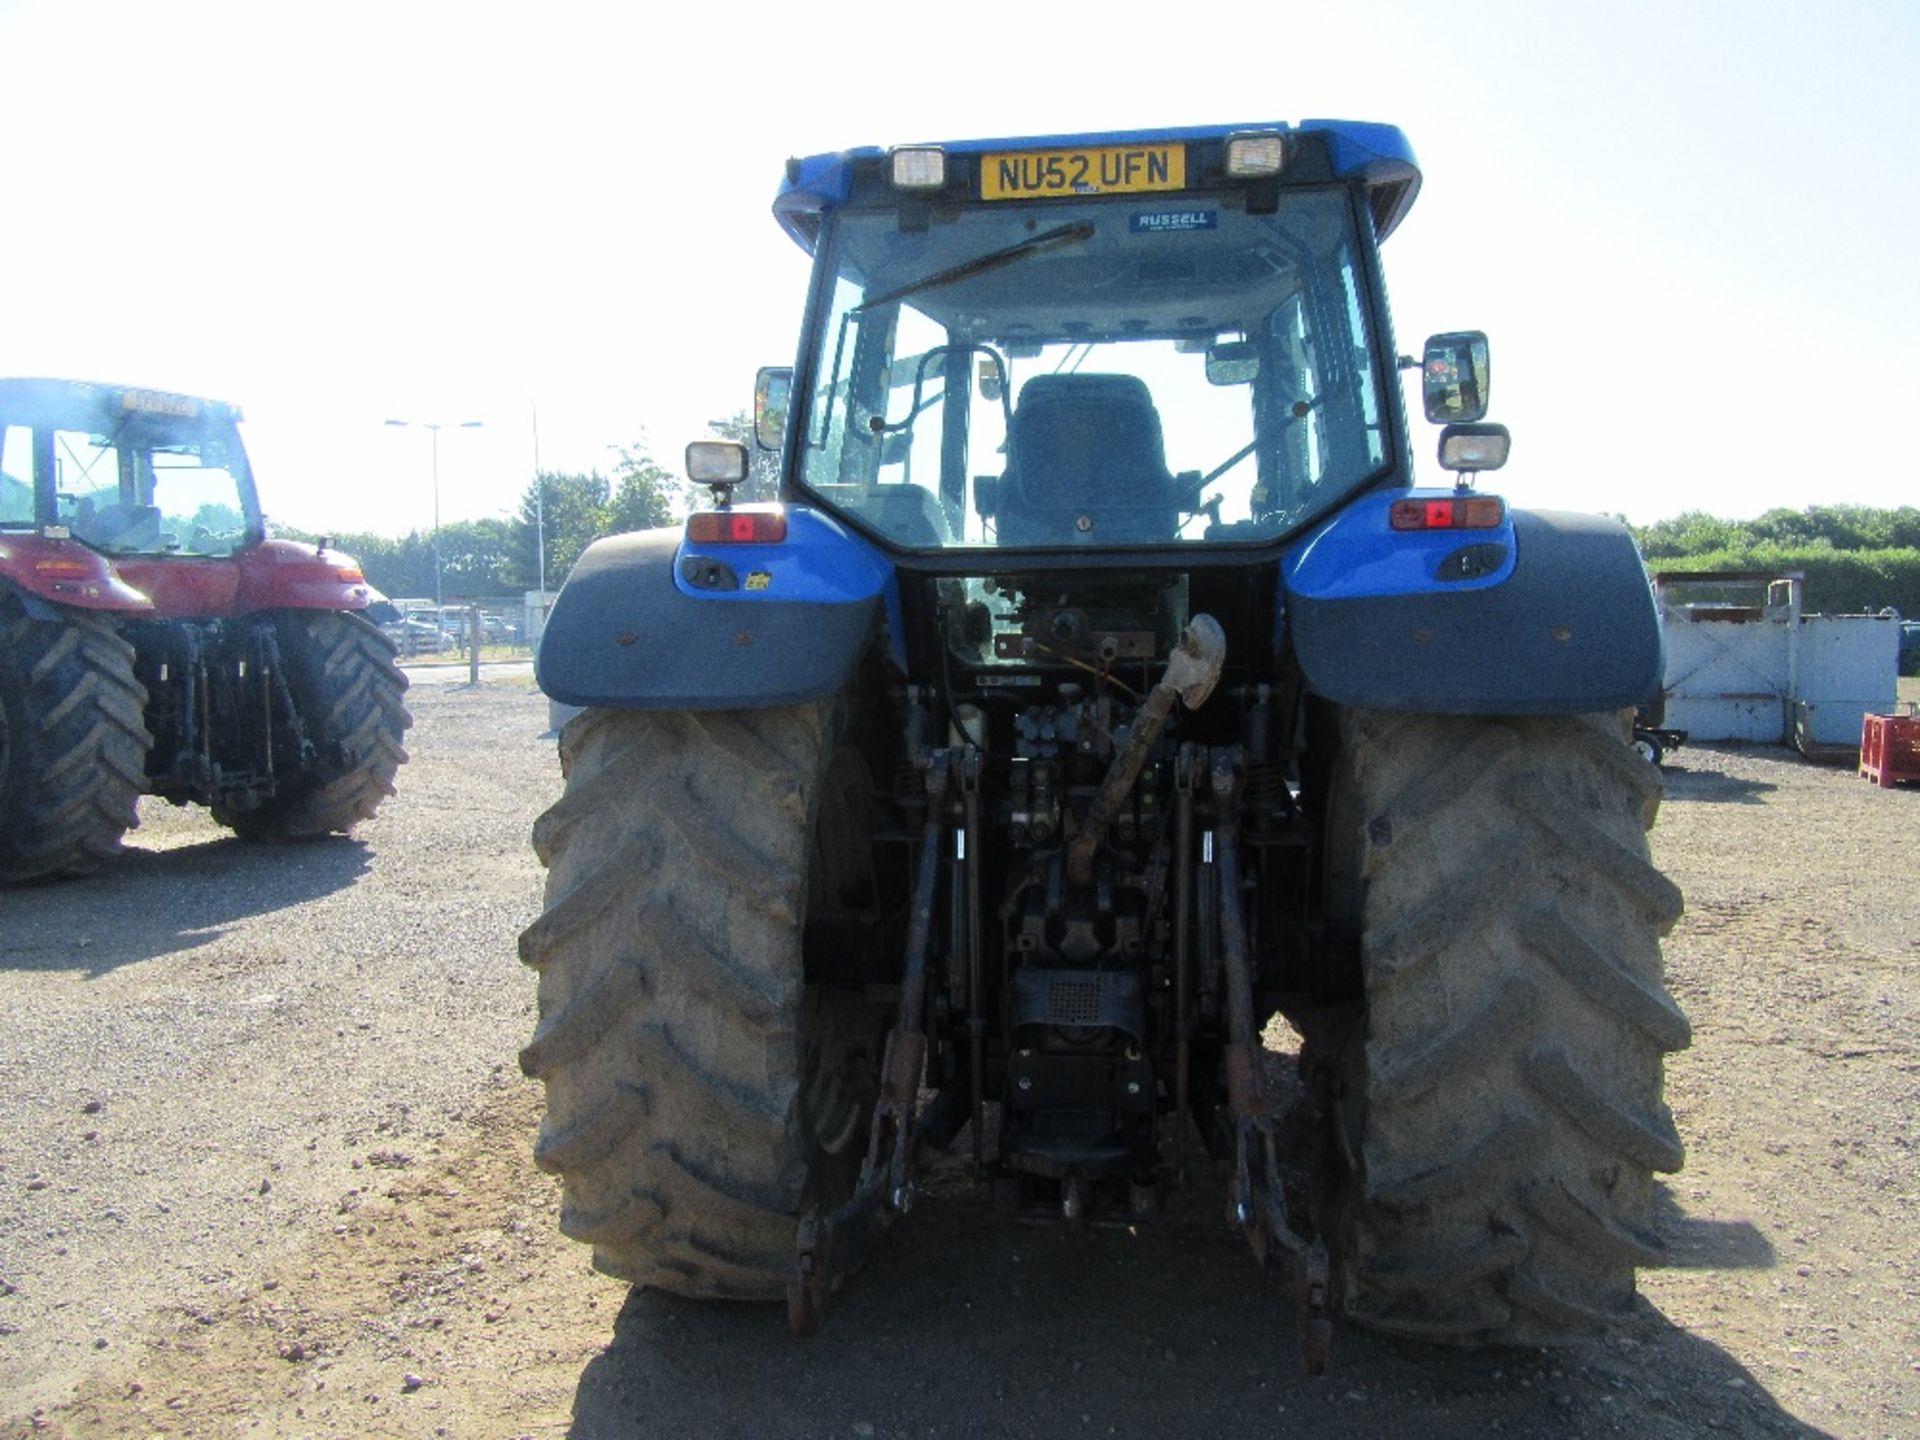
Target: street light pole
{"x": 439, "y": 595}
{"x": 434, "y": 427}
{"x": 539, "y": 513}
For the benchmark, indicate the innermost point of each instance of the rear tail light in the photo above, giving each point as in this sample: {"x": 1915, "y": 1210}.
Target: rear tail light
{"x": 1454, "y": 512}
{"x": 737, "y": 527}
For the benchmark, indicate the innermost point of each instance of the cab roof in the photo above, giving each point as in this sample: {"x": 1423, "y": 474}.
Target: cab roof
{"x": 76, "y": 401}
{"x": 1377, "y": 155}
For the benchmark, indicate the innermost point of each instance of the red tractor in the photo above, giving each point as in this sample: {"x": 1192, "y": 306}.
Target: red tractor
{"x": 154, "y": 640}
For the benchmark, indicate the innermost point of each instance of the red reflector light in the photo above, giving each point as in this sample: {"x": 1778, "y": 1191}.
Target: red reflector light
{"x": 62, "y": 567}
{"x": 1465, "y": 512}
{"x": 737, "y": 527}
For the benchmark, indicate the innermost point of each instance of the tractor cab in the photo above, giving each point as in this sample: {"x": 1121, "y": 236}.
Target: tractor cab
{"x": 1143, "y": 343}
{"x": 126, "y": 472}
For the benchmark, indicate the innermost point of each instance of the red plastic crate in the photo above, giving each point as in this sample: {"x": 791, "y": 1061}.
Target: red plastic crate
{"x": 1889, "y": 749}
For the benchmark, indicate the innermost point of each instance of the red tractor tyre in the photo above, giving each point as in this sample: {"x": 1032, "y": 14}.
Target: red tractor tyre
{"x": 349, "y": 692}
{"x": 73, "y": 743}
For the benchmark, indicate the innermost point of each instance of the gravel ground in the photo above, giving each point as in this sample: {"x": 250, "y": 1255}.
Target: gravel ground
{"x": 1796, "y": 1224}
{"x": 210, "y": 1041}
{"x": 264, "y": 1170}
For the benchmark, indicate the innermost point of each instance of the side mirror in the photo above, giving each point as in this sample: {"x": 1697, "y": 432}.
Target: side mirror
{"x": 1468, "y": 449}
{"x": 772, "y": 393}
{"x": 1454, "y": 377}
{"x": 1233, "y": 362}
{"x": 716, "y": 462}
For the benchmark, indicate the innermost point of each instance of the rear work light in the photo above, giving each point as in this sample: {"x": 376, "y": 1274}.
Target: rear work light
{"x": 737, "y": 527}
{"x": 918, "y": 167}
{"x": 1456, "y": 512}
{"x": 1255, "y": 154}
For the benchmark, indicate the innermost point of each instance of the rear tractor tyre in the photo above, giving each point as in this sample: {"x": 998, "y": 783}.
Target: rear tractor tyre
{"x": 699, "y": 1094}
{"x": 348, "y": 690}
{"x": 1500, "y": 1116}
{"x": 73, "y": 743}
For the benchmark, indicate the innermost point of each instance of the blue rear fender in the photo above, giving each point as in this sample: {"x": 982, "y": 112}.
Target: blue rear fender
{"x": 1552, "y": 613}
{"x": 648, "y": 622}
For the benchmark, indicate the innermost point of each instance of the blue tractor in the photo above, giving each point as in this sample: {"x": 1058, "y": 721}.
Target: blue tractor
{"x": 1095, "y": 691}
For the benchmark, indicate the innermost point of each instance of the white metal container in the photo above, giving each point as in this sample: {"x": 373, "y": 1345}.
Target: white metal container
{"x": 1848, "y": 668}
{"x": 1767, "y": 673}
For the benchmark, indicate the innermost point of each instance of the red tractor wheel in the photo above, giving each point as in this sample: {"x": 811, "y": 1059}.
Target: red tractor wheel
{"x": 349, "y": 691}
{"x": 73, "y": 743}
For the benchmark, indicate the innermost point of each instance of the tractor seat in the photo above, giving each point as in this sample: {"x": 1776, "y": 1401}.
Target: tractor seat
{"x": 1086, "y": 464}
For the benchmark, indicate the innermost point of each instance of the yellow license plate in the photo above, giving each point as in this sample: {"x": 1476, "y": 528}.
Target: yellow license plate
{"x": 1104, "y": 170}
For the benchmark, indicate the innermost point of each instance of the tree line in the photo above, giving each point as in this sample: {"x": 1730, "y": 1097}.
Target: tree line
{"x": 1819, "y": 527}
{"x": 497, "y": 557}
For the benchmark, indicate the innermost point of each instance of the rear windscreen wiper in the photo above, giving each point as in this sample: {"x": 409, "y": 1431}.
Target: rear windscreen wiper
{"x": 992, "y": 260}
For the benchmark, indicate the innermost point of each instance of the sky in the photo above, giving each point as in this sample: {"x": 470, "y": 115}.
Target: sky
{"x": 1689, "y": 228}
